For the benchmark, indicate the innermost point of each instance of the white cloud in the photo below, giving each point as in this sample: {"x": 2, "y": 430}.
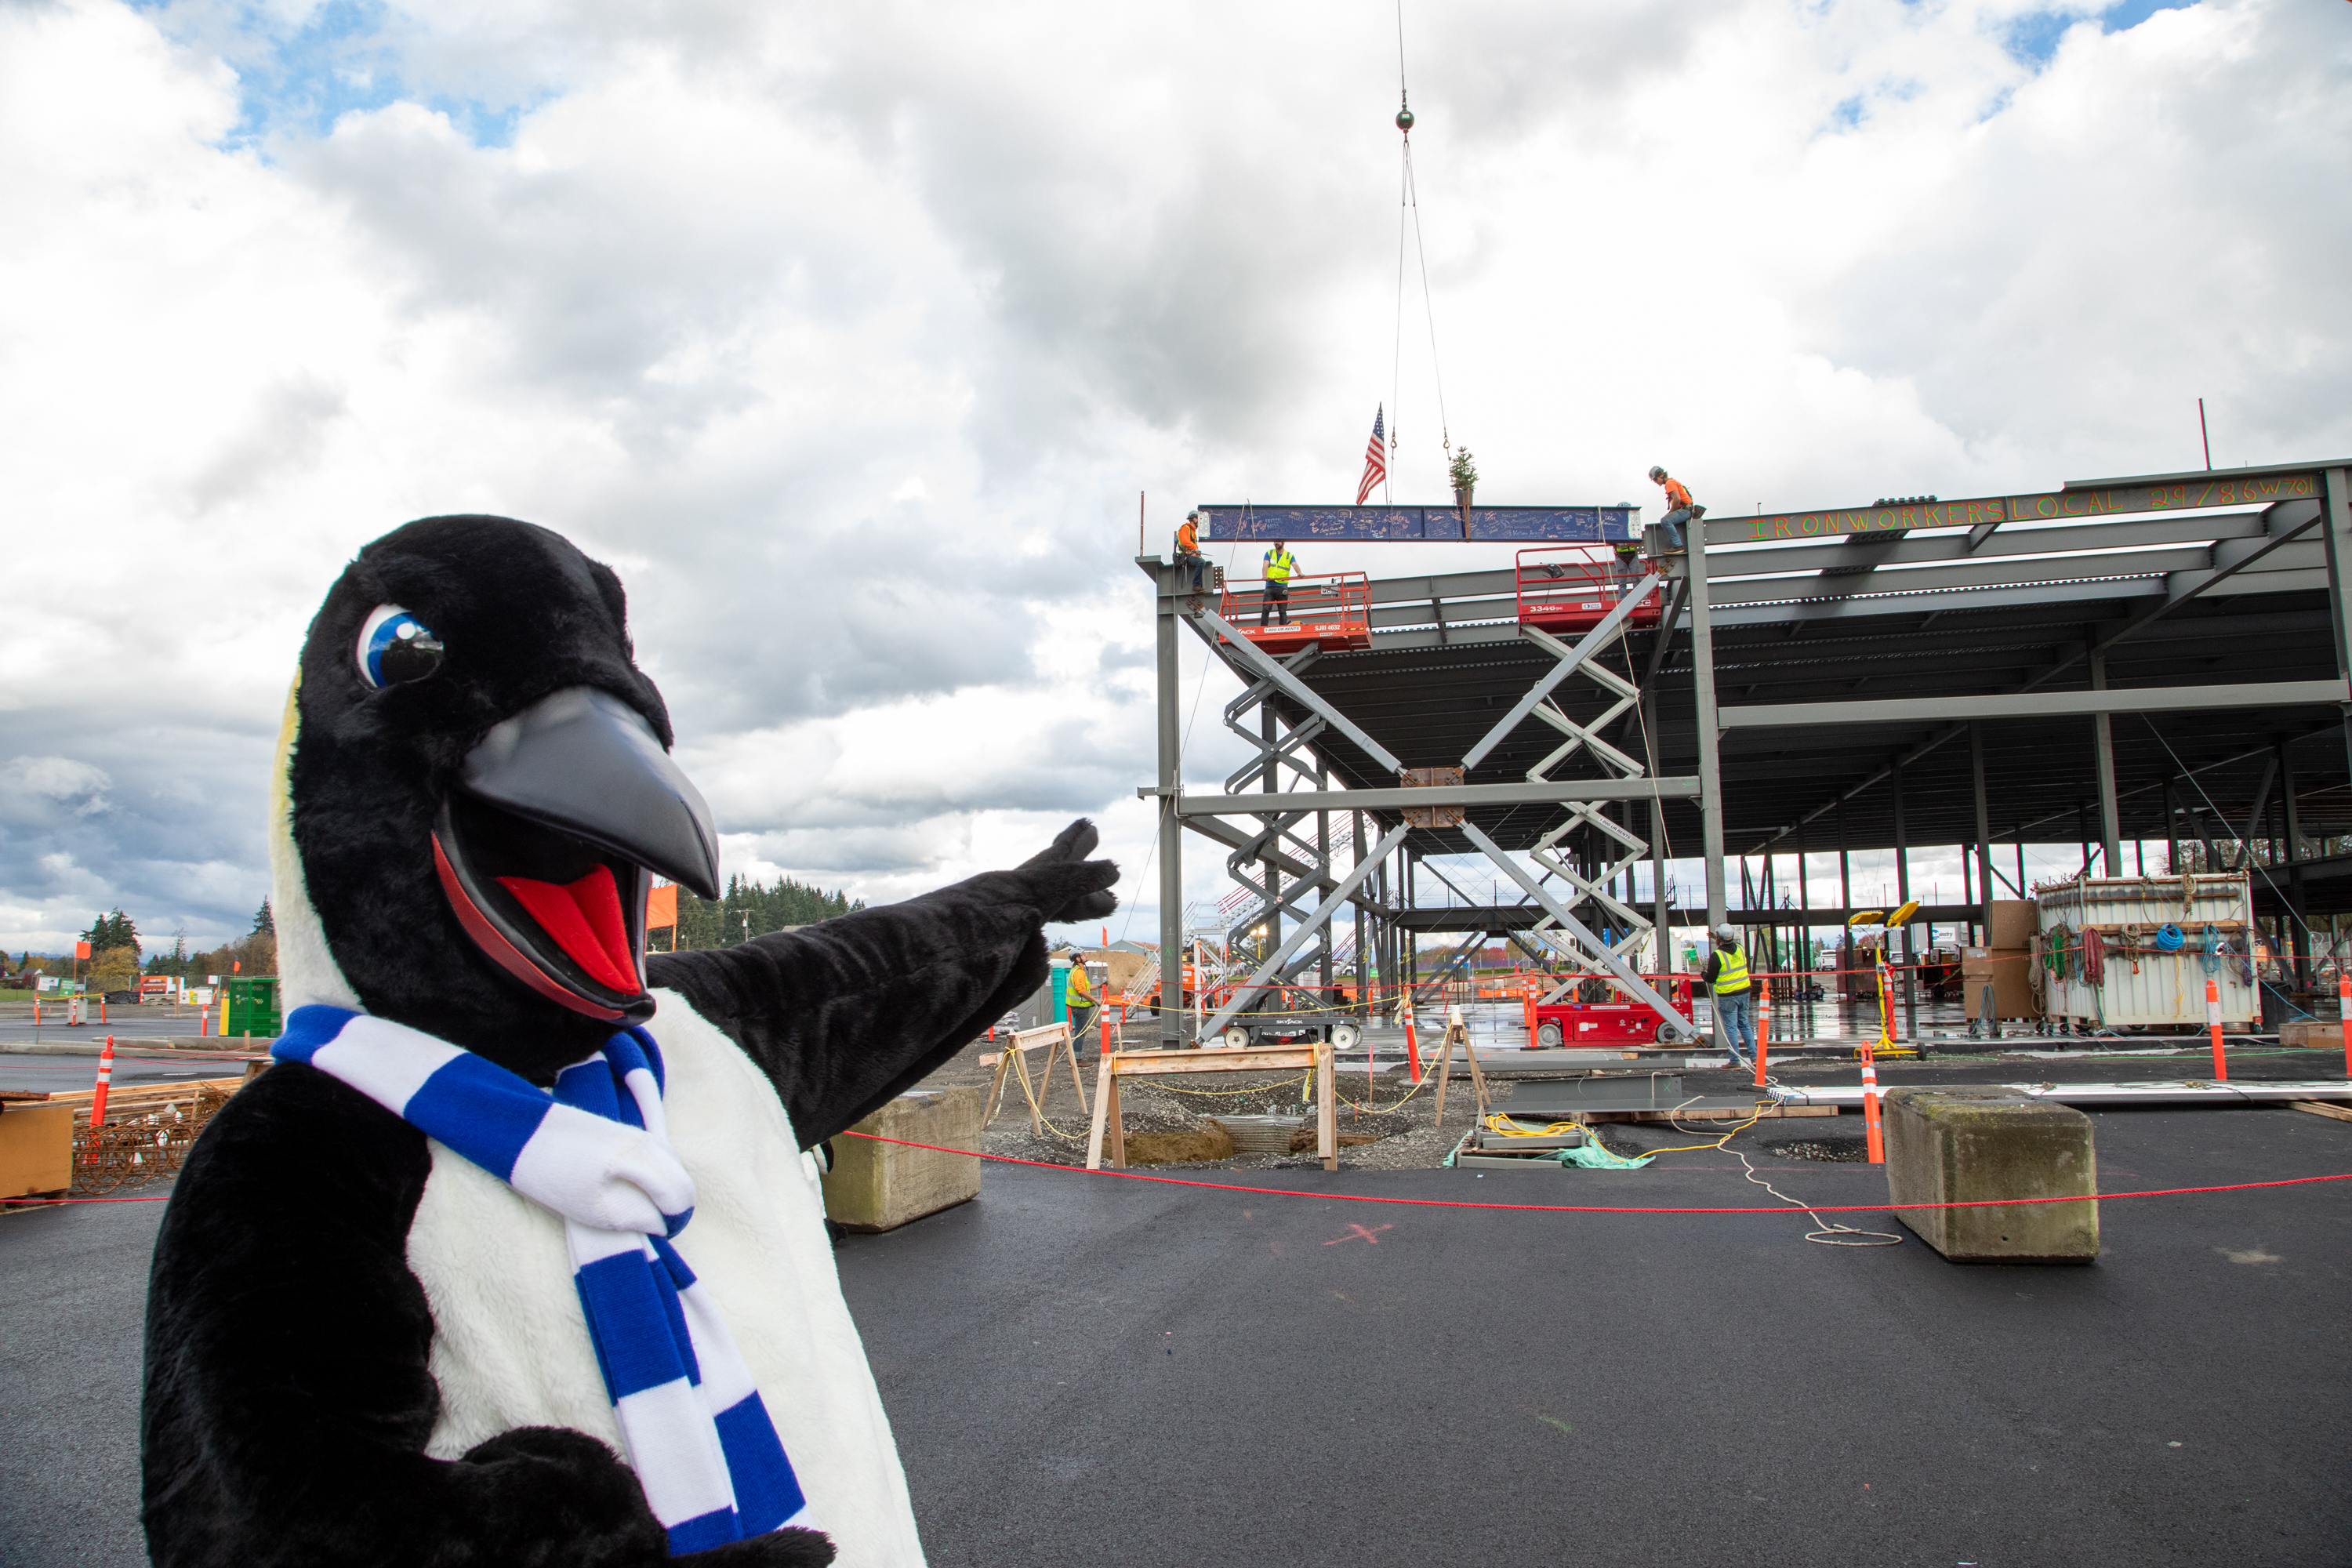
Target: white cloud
{"x": 849, "y": 336}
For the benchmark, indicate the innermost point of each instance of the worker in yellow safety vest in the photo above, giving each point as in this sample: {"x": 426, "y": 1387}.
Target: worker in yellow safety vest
{"x": 1728, "y": 979}
{"x": 1281, "y": 565}
{"x": 1079, "y": 998}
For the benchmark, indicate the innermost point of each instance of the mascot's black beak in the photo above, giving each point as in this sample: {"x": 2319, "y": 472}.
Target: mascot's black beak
{"x": 545, "y": 847}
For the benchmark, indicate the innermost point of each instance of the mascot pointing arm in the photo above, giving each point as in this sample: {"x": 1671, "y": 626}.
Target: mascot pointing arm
{"x": 512, "y": 1259}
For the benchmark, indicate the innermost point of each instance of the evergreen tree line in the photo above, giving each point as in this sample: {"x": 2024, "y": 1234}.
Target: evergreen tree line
{"x": 118, "y": 956}
{"x": 722, "y": 923}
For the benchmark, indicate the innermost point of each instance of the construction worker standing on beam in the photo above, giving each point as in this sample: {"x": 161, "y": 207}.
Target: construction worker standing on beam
{"x": 1281, "y": 565}
{"x": 1682, "y": 508}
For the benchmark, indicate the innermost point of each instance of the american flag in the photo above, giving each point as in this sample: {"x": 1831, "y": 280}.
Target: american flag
{"x": 1376, "y": 457}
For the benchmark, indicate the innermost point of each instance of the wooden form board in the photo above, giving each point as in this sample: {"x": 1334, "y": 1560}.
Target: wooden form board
{"x": 1055, "y": 1040}
{"x": 1116, "y": 1065}
{"x": 141, "y": 1097}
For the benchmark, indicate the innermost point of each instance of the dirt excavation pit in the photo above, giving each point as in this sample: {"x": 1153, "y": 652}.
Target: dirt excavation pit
{"x": 1254, "y": 1123}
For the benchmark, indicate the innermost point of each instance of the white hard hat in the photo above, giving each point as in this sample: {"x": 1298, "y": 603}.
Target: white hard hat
{"x": 1727, "y": 936}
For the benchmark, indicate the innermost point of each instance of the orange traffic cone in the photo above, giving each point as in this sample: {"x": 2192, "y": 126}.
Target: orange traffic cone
{"x": 2213, "y": 1023}
{"x": 105, "y": 1079}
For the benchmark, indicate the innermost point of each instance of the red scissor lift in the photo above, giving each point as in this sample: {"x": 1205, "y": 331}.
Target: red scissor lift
{"x": 1568, "y": 587}
{"x": 1332, "y": 608}
{"x": 1603, "y": 1014}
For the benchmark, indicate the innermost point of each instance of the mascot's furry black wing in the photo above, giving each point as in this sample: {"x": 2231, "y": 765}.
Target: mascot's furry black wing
{"x": 425, "y": 1294}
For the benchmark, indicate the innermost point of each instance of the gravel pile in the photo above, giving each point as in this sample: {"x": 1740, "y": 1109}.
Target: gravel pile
{"x": 1831, "y": 1148}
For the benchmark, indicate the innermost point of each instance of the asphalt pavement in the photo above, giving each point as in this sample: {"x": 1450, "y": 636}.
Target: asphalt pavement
{"x": 1088, "y": 1369}
{"x": 1084, "y": 1369}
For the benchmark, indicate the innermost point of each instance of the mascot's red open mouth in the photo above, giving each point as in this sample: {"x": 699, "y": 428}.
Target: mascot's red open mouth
{"x": 564, "y": 916}
{"x": 548, "y": 845}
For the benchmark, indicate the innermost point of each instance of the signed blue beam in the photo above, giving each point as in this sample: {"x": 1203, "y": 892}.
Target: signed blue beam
{"x": 1422, "y": 524}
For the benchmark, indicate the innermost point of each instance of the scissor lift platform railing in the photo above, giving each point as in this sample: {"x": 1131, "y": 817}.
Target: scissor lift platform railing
{"x": 1332, "y": 610}
{"x": 1568, "y": 587}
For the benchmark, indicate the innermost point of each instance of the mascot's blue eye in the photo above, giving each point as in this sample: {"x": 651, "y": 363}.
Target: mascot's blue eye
{"x": 394, "y": 648}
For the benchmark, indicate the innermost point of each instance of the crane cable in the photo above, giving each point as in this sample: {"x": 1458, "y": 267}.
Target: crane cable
{"x": 1409, "y": 216}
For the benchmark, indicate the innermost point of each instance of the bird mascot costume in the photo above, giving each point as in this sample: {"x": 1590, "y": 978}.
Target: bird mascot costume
{"x": 513, "y": 1257}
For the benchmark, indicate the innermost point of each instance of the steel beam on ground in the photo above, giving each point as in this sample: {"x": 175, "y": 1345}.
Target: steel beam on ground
{"x": 1249, "y": 989}
{"x": 1196, "y": 805}
{"x": 2035, "y": 704}
{"x": 1617, "y": 967}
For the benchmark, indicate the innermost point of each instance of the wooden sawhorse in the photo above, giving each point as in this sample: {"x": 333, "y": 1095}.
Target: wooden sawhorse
{"x": 1116, "y": 1065}
{"x": 1053, "y": 1039}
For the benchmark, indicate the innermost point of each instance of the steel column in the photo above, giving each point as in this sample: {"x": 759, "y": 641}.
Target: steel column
{"x": 1710, "y": 771}
{"x": 2301, "y": 927}
{"x": 1984, "y": 829}
{"x": 1172, "y": 829}
{"x": 1323, "y": 865}
{"x": 1902, "y": 897}
{"x": 2335, "y": 527}
{"x": 2103, "y": 733}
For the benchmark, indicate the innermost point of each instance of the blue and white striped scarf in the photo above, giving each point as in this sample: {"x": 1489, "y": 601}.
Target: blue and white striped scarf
{"x": 597, "y": 1152}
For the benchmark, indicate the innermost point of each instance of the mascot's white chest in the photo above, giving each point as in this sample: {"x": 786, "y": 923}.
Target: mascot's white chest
{"x": 511, "y": 1348}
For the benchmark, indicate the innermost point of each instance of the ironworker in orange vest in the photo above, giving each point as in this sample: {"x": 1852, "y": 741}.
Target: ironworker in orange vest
{"x": 1684, "y": 510}
{"x": 1188, "y": 549}
{"x": 1281, "y": 565}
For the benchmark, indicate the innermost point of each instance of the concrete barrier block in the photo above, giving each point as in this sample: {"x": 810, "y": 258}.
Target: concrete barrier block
{"x": 881, "y": 1187}
{"x": 35, "y": 1148}
{"x": 1965, "y": 1144}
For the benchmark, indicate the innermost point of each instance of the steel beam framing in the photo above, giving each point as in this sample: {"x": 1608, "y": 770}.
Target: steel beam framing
{"x": 2034, "y": 704}
{"x": 1539, "y": 793}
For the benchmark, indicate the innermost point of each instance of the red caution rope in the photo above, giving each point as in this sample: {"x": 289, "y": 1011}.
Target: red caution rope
{"x": 1595, "y": 1209}
{"x": 1460, "y": 1203}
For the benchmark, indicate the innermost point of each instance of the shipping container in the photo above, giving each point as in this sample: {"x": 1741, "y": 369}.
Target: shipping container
{"x": 2137, "y": 918}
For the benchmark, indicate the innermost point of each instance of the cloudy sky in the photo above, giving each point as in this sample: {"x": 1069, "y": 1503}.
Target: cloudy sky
{"x": 850, "y": 335}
